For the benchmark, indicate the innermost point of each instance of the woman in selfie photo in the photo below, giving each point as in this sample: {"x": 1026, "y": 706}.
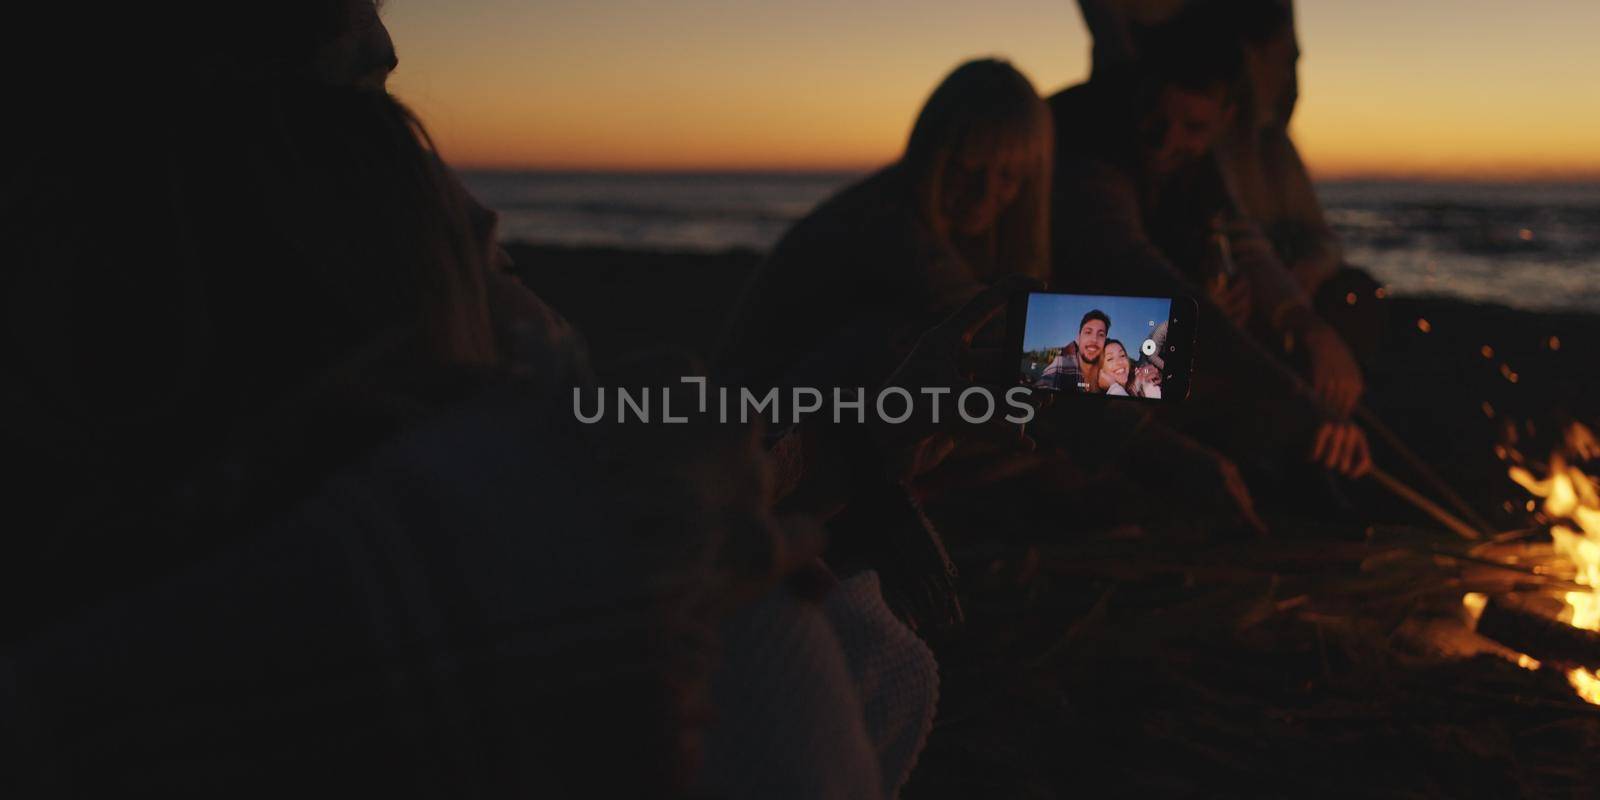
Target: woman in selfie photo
{"x": 1116, "y": 372}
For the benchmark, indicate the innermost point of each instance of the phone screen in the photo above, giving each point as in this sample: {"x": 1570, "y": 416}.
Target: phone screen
{"x": 1134, "y": 347}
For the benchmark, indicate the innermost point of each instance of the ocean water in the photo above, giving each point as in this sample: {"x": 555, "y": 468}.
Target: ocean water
{"x": 1530, "y": 246}
{"x": 704, "y": 212}
{"x": 1526, "y": 245}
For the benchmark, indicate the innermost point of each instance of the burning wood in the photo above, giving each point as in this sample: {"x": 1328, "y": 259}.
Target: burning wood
{"x": 1571, "y": 636}
{"x": 1540, "y": 637}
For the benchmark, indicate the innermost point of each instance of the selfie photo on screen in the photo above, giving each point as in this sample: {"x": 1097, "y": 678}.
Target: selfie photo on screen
{"x": 1096, "y": 344}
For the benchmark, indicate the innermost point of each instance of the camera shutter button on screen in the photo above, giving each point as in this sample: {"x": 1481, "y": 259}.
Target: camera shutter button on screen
{"x": 1149, "y": 347}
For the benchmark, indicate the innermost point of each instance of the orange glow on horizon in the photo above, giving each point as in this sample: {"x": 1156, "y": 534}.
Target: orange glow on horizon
{"x": 1424, "y": 89}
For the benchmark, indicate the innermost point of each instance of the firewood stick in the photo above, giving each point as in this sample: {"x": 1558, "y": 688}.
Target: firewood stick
{"x": 1423, "y": 504}
{"x": 1421, "y": 467}
{"x": 1479, "y": 528}
{"x": 1539, "y": 636}
{"x": 1545, "y": 579}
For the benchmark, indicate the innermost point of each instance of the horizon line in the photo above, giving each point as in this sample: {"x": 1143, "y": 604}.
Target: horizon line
{"x": 1551, "y": 176}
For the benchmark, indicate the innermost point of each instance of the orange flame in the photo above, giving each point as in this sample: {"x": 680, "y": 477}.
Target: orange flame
{"x": 1572, "y": 495}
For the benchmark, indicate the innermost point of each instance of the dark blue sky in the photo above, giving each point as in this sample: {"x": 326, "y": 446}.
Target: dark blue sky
{"x": 1053, "y": 318}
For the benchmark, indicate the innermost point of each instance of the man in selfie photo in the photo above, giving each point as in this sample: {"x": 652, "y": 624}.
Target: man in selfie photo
{"x": 1077, "y": 368}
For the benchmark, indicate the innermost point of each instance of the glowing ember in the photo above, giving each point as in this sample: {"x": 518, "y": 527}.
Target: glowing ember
{"x": 1487, "y": 351}
{"x": 1475, "y": 604}
{"x": 1571, "y": 495}
{"x": 1424, "y": 326}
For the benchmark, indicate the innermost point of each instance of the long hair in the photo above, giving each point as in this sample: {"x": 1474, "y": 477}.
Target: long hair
{"x": 987, "y": 112}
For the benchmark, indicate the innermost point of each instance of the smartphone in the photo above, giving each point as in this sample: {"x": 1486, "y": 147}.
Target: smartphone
{"x": 1141, "y": 348}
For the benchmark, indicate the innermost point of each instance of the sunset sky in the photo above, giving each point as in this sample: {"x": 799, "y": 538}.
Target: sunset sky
{"x": 1444, "y": 88}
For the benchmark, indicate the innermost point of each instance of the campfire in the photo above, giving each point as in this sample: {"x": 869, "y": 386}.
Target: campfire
{"x": 1317, "y": 661}
{"x": 1570, "y": 513}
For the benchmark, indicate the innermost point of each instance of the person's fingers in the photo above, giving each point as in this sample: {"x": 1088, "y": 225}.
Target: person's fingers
{"x": 1351, "y": 465}
{"x": 1321, "y": 441}
{"x": 1347, "y": 452}
{"x": 1363, "y": 462}
{"x": 1341, "y": 438}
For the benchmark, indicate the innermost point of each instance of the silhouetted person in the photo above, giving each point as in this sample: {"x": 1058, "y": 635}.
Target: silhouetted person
{"x": 1304, "y": 278}
{"x": 1137, "y": 199}
{"x": 848, "y": 289}
{"x": 345, "y": 563}
{"x": 337, "y": 519}
{"x": 968, "y": 202}
{"x": 1280, "y": 238}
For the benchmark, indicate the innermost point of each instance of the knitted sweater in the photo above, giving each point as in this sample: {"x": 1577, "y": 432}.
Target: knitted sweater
{"x": 829, "y": 701}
